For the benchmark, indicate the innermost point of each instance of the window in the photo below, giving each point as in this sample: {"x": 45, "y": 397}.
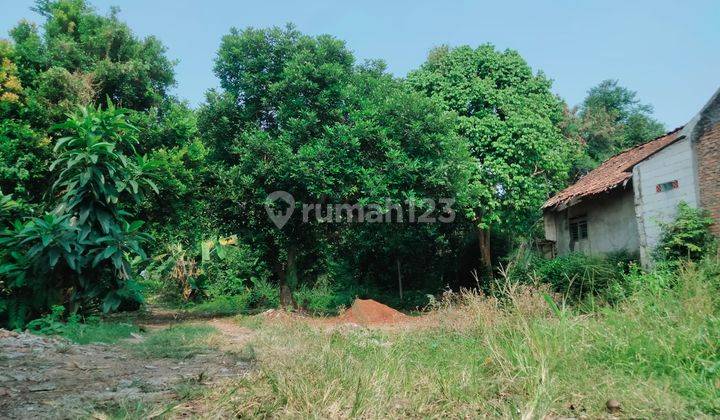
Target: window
{"x": 578, "y": 228}
{"x": 667, "y": 186}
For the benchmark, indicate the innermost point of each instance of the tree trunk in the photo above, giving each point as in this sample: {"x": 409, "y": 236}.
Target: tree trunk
{"x": 485, "y": 257}
{"x": 289, "y": 270}
{"x": 399, "y": 276}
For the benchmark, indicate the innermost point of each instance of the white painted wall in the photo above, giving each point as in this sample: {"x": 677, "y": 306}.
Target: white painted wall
{"x": 675, "y": 162}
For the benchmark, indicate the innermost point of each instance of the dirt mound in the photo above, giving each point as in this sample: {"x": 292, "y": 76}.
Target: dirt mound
{"x": 368, "y": 311}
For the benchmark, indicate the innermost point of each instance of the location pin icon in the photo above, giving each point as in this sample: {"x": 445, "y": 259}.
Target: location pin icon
{"x": 279, "y": 218}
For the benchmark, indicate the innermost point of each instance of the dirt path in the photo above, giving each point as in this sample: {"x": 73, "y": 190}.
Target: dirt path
{"x": 49, "y": 378}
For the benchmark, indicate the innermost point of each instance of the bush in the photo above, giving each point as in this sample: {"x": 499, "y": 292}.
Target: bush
{"x": 82, "y": 253}
{"x": 320, "y": 298}
{"x": 576, "y": 276}
{"x": 239, "y": 268}
{"x": 263, "y": 294}
{"x": 224, "y": 305}
{"x": 687, "y": 237}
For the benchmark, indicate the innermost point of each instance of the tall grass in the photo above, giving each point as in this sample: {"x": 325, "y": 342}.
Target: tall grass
{"x": 657, "y": 353}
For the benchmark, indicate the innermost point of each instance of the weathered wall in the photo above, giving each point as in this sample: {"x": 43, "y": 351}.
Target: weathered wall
{"x": 704, "y": 133}
{"x": 611, "y": 224}
{"x": 708, "y": 160}
{"x": 675, "y": 162}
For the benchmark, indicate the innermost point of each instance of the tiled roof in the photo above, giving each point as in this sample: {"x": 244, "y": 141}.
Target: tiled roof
{"x": 613, "y": 172}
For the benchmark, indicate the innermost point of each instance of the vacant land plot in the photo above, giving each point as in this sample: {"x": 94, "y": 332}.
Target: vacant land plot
{"x": 657, "y": 355}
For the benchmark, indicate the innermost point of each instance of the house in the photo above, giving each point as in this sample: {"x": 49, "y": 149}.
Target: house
{"x": 620, "y": 205}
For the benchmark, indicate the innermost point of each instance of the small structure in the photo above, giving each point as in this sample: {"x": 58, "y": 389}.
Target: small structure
{"x": 620, "y": 205}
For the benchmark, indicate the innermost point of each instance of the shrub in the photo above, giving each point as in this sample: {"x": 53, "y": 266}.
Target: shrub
{"x": 223, "y": 305}
{"x": 231, "y": 275}
{"x": 320, "y": 298}
{"x": 687, "y": 237}
{"x": 263, "y": 294}
{"x": 81, "y": 254}
{"x": 576, "y": 276}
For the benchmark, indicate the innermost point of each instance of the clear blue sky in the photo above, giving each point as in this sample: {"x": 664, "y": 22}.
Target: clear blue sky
{"x": 668, "y": 51}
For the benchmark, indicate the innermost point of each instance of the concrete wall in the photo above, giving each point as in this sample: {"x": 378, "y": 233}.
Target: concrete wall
{"x": 675, "y": 162}
{"x": 612, "y": 225}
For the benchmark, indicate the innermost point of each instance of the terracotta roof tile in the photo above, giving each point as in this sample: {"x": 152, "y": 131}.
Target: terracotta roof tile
{"x": 613, "y": 172}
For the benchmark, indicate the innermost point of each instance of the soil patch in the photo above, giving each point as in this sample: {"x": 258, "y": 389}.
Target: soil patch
{"x": 53, "y": 378}
{"x": 371, "y": 312}
{"x": 363, "y": 312}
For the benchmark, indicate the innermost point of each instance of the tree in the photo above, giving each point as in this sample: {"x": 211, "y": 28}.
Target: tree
{"x": 75, "y": 58}
{"x": 296, "y": 114}
{"x": 510, "y": 121}
{"x": 611, "y": 119}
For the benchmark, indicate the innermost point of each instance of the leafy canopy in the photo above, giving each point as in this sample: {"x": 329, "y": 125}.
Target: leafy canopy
{"x": 509, "y": 119}
{"x": 297, "y": 114}
{"x": 612, "y": 119}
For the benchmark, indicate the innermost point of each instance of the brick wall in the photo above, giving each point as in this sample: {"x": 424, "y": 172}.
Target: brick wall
{"x": 708, "y": 158}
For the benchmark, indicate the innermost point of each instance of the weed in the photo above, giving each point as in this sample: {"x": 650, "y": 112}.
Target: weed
{"x": 521, "y": 356}
{"x": 92, "y": 330}
{"x": 176, "y": 342}
{"x": 221, "y": 306}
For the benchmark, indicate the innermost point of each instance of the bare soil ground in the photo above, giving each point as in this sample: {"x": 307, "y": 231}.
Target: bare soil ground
{"x": 47, "y": 377}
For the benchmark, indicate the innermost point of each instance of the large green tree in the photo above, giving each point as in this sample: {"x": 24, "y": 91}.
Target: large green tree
{"x": 510, "y": 121}
{"x": 77, "y": 57}
{"x": 297, "y": 114}
{"x": 610, "y": 119}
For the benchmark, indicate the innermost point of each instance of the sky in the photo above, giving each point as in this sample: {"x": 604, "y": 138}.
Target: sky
{"x": 666, "y": 50}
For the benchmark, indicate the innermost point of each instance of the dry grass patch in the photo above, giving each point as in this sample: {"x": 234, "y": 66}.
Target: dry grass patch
{"x": 517, "y": 357}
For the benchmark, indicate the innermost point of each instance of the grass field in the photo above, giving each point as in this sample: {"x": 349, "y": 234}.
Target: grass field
{"x": 524, "y": 355}
{"x": 657, "y": 354}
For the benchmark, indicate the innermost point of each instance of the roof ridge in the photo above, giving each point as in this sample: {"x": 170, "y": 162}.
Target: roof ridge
{"x": 637, "y": 146}
{"x": 613, "y": 171}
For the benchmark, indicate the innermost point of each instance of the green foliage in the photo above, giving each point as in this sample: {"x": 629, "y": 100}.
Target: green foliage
{"x": 25, "y": 156}
{"x": 577, "y": 276}
{"x": 222, "y": 306}
{"x": 239, "y": 268}
{"x": 75, "y": 58}
{"x": 82, "y": 331}
{"x": 611, "y": 119}
{"x": 263, "y": 294}
{"x": 687, "y": 237}
{"x": 81, "y": 254}
{"x": 510, "y": 121}
{"x": 126, "y": 69}
{"x": 297, "y": 115}
{"x": 320, "y": 298}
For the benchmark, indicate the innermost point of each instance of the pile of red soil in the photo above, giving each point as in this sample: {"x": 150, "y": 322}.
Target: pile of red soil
{"x": 368, "y": 311}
